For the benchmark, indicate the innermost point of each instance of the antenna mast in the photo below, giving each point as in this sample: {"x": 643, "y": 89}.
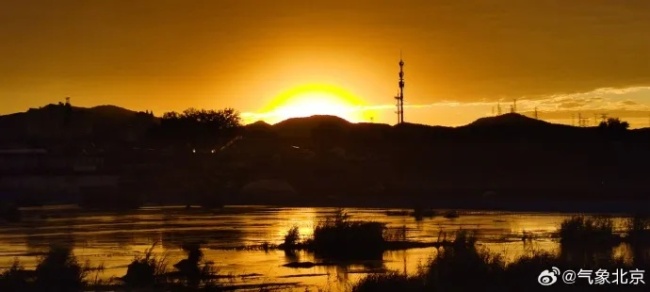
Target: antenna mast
{"x": 400, "y": 96}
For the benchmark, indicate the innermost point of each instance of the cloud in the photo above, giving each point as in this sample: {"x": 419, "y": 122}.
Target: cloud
{"x": 562, "y": 108}
{"x": 459, "y": 50}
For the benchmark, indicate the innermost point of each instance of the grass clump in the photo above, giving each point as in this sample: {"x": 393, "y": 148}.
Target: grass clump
{"x": 597, "y": 231}
{"x": 58, "y": 270}
{"x": 450, "y": 268}
{"x": 145, "y": 271}
{"x": 292, "y": 238}
{"x": 16, "y": 278}
{"x": 462, "y": 266}
{"x": 388, "y": 282}
{"x": 340, "y": 237}
{"x": 194, "y": 271}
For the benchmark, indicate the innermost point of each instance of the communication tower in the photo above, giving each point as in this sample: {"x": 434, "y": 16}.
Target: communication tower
{"x": 400, "y": 95}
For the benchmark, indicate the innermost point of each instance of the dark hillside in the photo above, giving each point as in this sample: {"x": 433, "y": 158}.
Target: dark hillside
{"x": 53, "y": 123}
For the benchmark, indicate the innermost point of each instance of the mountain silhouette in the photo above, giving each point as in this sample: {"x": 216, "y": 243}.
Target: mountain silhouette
{"x": 54, "y": 122}
{"x": 326, "y": 157}
{"x": 303, "y": 126}
{"x": 509, "y": 119}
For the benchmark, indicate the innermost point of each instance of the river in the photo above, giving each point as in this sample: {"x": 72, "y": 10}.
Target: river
{"x": 113, "y": 239}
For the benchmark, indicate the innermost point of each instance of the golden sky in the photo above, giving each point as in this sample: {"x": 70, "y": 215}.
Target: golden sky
{"x": 564, "y": 57}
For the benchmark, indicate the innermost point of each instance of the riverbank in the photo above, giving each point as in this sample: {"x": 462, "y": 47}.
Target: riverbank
{"x": 638, "y": 206}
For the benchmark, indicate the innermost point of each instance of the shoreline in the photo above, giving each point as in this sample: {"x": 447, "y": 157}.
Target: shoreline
{"x": 624, "y": 207}
{"x": 534, "y": 206}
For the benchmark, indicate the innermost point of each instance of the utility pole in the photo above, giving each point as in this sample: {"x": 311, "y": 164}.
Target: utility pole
{"x": 579, "y": 120}
{"x": 582, "y": 121}
{"x": 536, "y": 117}
{"x": 573, "y": 119}
{"x": 499, "y": 108}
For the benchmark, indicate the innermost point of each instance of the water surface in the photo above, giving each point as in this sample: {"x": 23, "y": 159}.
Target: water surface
{"x": 115, "y": 238}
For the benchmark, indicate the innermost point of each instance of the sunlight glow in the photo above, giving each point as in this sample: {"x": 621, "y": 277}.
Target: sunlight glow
{"x": 313, "y": 99}
{"x": 305, "y": 219}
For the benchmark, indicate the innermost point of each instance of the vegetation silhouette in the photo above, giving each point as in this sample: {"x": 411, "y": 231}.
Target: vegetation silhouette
{"x": 205, "y": 157}
{"x": 463, "y": 266}
{"x": 190, "y": 274}
{"x": 58, "y": 270}
{"x": 194, "y": 271}
{"x": 598, "y": 231}
{"x": 146, "y": 271}
{"x": 338, "y": 239}
{"x": 292, "y": 238}
{"x": 196, "y": 128}
{"x": 613, "y": 124}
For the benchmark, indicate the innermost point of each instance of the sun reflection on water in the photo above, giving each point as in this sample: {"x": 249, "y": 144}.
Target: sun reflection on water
{"x": 115, "y": 239}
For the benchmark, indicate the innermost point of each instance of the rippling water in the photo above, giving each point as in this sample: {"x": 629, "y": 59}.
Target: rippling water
{"x": 113, "y": 239}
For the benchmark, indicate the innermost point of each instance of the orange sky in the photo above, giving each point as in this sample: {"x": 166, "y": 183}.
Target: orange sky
{"x": 564, "y": 57}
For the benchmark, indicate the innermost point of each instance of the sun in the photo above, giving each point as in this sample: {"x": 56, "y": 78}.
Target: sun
{"x": 314, "y": 99}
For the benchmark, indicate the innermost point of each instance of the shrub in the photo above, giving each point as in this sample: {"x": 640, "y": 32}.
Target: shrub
{"x": 341, "y": 237}
{"x": 292, "y": 237}
{"x": 460, "y": 266}
{"x": 450, "y": 268}
{"x": 145, "y": 271}
{"x": 60, "y": 271}
{"x": 578, "y": 230}
{"x": 16, "y": 278}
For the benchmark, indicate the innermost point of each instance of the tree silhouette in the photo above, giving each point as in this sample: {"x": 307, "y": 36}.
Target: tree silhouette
{"x": 198, "y": 128}
{"x": 614, "y": 124}
{"x": 613, "y": 128}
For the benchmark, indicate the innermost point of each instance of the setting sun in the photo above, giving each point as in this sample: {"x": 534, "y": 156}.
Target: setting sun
{"x": 313, "y": 99}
